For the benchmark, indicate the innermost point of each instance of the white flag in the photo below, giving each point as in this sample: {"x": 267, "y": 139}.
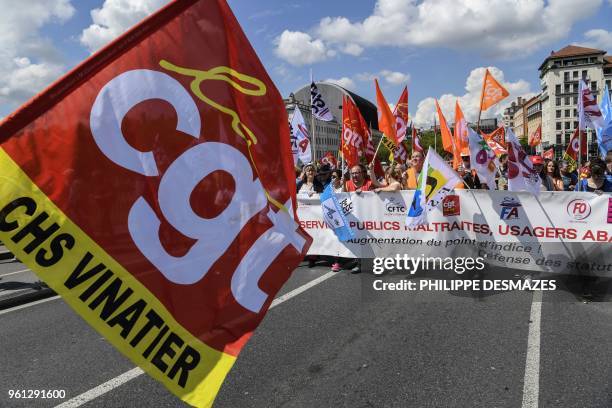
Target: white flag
{"x": 482, "y": 158}
{"x": 436, "y": 181}
{"x": 588, "y": 110}
{"x": 521, "y": 174}
{"x": 300, "y": 132}
{"x": 294, "y": 146}
{"x": 318, "y": 106}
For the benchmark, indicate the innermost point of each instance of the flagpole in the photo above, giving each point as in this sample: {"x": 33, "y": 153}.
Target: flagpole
{"x": 377, "y": 147}
{"x": 312, "y": 126}
{"x": 435, "y": 134}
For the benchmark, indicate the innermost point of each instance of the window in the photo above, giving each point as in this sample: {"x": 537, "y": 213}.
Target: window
{"x": 567, "y": 100}
{"x": 558, "y": 113}
{"x": 584, "y": 74}
{"x": 558, "y": 102}
{"x": 566, "y": 76}
{"x": 558, "y": 139}
{"x": 558, "y": 125}
{"x": 558, "y": 89}
{"x": 567, "y": 113}
{"x": 568, "y": 125}
{"x": 575, "y": 100}
{"x": 593, "y": 86}
{"x": 575, "y": 74}
{"x": 608, "y": 84}
{"x": 575, "y": 125}
{"x": 575, "y": 87}
{"x": 566, "y": 88}
{"x": 575, "y": 112}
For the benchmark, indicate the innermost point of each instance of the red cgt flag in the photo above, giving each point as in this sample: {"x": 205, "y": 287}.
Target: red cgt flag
{"x": 549, "y": 154}
{"x": 153, "y": 188}
{"x": 416, "y": 141}
{"x": 354, "y": 133}
{"x": 401, "y": 115}
{"x": 536, "y": 137}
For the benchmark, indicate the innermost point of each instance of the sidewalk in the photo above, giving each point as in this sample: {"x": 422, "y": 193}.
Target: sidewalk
{"x": 18, "y": 284}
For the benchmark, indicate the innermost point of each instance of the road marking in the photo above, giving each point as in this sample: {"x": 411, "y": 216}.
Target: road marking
{"x": 137, "y": 371}
{"x": 12, "y": 309}
{"x": 13, "y": 273}
{"x": 531, "y": 382}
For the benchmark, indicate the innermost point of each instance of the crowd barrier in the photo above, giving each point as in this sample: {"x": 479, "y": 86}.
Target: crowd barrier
{"x": 555, "y": 232}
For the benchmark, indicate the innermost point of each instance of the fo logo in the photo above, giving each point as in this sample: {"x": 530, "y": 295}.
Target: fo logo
{"x": 509, "y": 209}
{"x": 578, "y": 209}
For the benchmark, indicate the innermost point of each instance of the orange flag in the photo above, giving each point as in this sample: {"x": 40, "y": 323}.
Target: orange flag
{"x": 447, "y": 138}
{"x": 498, "y": 135}
{"x": 492, "y": 92}
{"x": 461, "y": 131}
{"x": 536, "y": 138}
{"x": 386, "y": 123}
{"x": 401, "y": 115}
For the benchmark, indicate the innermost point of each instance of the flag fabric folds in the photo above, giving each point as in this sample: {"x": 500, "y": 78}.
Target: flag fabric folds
{"x": 461, "y": 130}
{"x": 330, "y": 160}
{"x": 448, "y": 142}
{"x": 521, "y": 174}
{"x": 536, "y": 137}
{"x": 355, "y": 133}
{"x": 318, "y": 106}
{"x": 549, "y": 154}
{"x": 436, "y": 181}
{"x": 300, "y": 131}
{"x": 386, "y": 121}
{"x": 174, "y": 244}
{"x": 482, "y": 159}
{"x": 492, "y": 91}
{"x": 416, "y": 141}
{"x": 589, "y": 114}
{"x": 571, "y": 152}
{"x": 334, "y": 216}
{"x": 604, "y": 133}
{"x": 400, "y": 112}
{"x": 498, "y": 135}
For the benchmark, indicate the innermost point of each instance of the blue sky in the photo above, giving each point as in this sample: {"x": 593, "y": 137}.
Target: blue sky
{"x": 438, "y": 47}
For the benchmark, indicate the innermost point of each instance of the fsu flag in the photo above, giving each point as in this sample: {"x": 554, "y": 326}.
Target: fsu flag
{"x": 492, "y": 92}
{"x": 549, "y": 154}
{"x": 401, "y": 115}
{"x": 300, "y": 132}
{"x": 536, "y": 138}
{"x": 386, "y": 122}
{"x": 153, "y": 188}
{"x": 416, "y": 141}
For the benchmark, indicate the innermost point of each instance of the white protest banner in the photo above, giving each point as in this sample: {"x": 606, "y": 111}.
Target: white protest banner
{"x": 557, "y": 232}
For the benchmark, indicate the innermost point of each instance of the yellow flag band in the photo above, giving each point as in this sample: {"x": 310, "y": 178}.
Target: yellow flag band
{"x": 103, "y": 292}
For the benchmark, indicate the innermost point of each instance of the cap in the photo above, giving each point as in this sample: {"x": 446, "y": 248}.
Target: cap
{"x": 325, "y": 168}
{"x": 536, "y": 160}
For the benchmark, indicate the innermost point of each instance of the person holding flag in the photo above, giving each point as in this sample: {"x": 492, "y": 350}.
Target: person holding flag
{"x": 521, "y": 174}
{"x": 436, "y": 181}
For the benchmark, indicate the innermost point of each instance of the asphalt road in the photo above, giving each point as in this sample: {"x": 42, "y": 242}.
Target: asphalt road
{"x": 339, "y": 344}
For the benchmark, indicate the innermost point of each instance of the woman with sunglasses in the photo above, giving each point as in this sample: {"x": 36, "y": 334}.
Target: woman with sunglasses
{"x": 337, "y": 181}
{"x": 308, "y": 183}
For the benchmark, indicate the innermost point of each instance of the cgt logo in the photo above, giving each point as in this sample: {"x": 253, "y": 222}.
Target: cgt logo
{"x": 509, "y": 209}
{"x": 451, "y": 206}
{"x": 578, "y": 209}
{"x": 394, "y": 207}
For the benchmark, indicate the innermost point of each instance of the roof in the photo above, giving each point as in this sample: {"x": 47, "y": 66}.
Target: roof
{"x": 571, "y": 51}
{"x": 608, "y": 62}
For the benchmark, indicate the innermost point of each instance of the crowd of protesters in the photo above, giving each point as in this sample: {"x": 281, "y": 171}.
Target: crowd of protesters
{"x": 594, "y": 176}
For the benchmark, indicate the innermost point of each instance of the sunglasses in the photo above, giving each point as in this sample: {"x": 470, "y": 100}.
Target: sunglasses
{"x": 334, "y": 177}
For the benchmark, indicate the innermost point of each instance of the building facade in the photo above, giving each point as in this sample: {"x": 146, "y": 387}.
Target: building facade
{"x": 559, "y": 76}
{"x": 532, "y": 117}
{"x": 327, "y": 134}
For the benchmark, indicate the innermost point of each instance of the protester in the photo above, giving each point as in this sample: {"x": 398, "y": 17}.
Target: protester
{"x": 596, "y": 182}
{"x": 412, "y": 174}
{"x": 469, "y": 176}
{"x": 502, "y": 176}
{"x": 358, "y": 181}
{"x": 323, "y": 175}
{"x": 609, "y": 166}
{"x": 546, "y": 182}
{"x": 569, "y": 178}
{"x": 552, "y": 169}
{"x": 392, "y": 180}
{"x": 308, "y": 183}
{"x": 337, "y": 181}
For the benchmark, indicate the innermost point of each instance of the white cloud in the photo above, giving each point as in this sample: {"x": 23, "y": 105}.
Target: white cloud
{"x": 502, "y": 28}
{"x": 299, "y": 48}
{"x": 28, "y": 61}
{"x": 599, "y": 38}
{"x": 345, "y": 82}
{"x": 114, "y": 18}
{"x": 352, "y": 49}
{"x": 395, "y": 78}
{"x": 470, "y": 100}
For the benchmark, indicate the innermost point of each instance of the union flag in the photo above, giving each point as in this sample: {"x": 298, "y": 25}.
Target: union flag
{"x": 153, "y": 188}
{"x": 492, "y": 91}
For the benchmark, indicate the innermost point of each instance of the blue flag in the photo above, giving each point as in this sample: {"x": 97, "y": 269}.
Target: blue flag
{"x": 334, "y": 216}
{"x": 604, "y": 134}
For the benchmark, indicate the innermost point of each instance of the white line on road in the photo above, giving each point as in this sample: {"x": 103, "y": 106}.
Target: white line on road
{"x": 137, "y": 371}
{"x": 531, "y": 383}
{"x": 12, "y": 309}
{"x": 13, "y": 273}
